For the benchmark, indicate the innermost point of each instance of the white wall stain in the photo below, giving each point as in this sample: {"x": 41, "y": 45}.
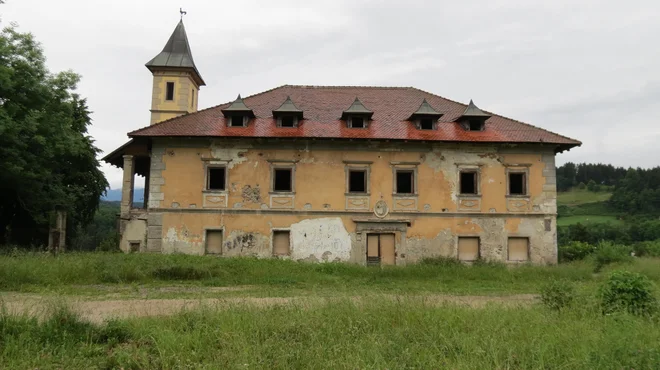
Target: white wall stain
{"x": 323, "y": 239}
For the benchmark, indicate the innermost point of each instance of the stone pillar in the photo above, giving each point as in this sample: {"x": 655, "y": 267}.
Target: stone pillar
{"x": 127, "y": 186}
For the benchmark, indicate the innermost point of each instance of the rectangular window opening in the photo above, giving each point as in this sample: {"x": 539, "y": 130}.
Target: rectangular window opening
{"x": 213, "y": 242}
{"x": 426, "y": 124}
{"x": 281, "y": 243}
{"x": 518, "y": 249}
{"x": 357, "y": 122}
{"x": 357, "y": 181}
{"x": 404, "y": 182}
{"x": 192, "y": 99}
{"x": 216, "y": 178}
{"x": 476, "y": 125}
{"x": 468, "y": 248}
{"x": 283, "y": 179}
{"x": 170, "y": 91}
{"x": 517, "y": 183}
{"x": 468, "y": 183}
{"x": 288, "y": 121}
{"x": 236, "y": 121}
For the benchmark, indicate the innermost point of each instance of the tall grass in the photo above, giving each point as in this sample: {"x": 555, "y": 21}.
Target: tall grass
{"x": 26, "y": 271}
{"x": 379, "y": 334}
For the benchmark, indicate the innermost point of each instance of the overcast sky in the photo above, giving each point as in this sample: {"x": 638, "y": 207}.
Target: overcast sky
{"x": 586, "y": 69}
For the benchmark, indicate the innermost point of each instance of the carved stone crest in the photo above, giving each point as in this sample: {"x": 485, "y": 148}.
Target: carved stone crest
{"x": 381, "y": 210}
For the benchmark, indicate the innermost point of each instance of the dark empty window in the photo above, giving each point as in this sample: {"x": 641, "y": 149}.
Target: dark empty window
{"x": 357, "y": 181}
{"x": 426, "y": 124}
{"x": 192, "y": 99}
{"x": 170, "y": 91}
{"x": 357, "y": 122}
{"x": 476, "y": 125}
{"x": 468, "y": 183}
{"x": 236, "y": 121}
{"x": 517, "y": 183}
{"x": 288, "y": 121}
{"x": 216, "y": 178}
{"x": 405, "y": 182}
{"x": 282, "y": 179}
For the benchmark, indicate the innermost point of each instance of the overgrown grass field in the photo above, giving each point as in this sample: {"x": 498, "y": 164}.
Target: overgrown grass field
{"x": 577, "y": 196}
{"x": 587, "y": 219}
{"x": 82, "y": 273}
{"x": 404, "y": 329}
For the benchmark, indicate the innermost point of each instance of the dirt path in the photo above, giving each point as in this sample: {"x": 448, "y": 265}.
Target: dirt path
{"x": 101, "y": 310}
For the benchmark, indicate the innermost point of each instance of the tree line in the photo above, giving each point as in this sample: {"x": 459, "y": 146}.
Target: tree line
{"x": 47, "y": 158}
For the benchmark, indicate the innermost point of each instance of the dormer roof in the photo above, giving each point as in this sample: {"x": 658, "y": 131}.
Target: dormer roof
{"x": 425, "y": 110}
{"x": 238, "y": 107}
{"x": 176, "y": 55}
{"x": 356, "y": 109}
{"x": 472, "y": 112}
{"x": 288, "y": 107}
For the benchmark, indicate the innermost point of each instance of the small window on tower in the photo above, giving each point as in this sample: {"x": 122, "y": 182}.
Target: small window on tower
{"x": 426, "y": 124}
{"x": 236, "y": 121}
{"x": 192, "y": 99}
{"x": 170, "y": 91}
{"x": 357, "y": 122}
{"x": 288, "y": 121}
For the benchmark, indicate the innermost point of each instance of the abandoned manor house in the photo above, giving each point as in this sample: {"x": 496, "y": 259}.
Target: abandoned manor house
{"x": 369, "y": 175}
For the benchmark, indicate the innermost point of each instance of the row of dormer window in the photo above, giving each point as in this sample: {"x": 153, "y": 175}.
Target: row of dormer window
{"x": 356, "y": 116}
{"x": 357, "y": 181}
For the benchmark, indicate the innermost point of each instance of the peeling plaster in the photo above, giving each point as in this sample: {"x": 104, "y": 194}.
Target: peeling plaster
{"x": 234, "y": 156}
{"x": 320, "y": 239}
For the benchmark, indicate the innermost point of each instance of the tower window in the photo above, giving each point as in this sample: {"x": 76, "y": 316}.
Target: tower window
{"x": 405, "y": 182}
{"x": 192, "y": 99}
{"x": 357, "y": 122}
{"x": 236, "y": 121}
{"x": 468, "y": 183}
{"x": 170, "y": 91}
{"x": 288, "y": 121}
{"x": 426, "y": 124}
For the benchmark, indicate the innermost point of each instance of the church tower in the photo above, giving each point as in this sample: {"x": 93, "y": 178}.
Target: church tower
{"x": 176, "y": 79}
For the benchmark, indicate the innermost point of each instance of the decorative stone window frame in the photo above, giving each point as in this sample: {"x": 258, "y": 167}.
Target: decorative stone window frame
{"x": 365, "y": 121}
{"x": 228, "y": 120}
{"x": 296, "y": 121}
{"x": 358, "y": 166}
{"x": 518, "y": 168}
{"x": 405, "y": 167}
{"x": 215, "y": 163}
{"x": 278, "y": 165}
{"x": 469, "y": 235}
{"x": 472, "y": 168}
{"x": 434, "y": 123}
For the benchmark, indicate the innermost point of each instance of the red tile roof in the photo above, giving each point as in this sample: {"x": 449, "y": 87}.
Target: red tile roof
{"x": 323, "y": 106}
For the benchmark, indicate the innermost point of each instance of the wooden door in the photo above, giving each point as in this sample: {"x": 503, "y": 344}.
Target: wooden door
{"x": 214, "y": 242}
{"x": 387, "y": 250}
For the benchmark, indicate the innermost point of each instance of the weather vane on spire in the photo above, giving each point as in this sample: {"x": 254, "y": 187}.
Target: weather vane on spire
{"x": 182, "y": 12}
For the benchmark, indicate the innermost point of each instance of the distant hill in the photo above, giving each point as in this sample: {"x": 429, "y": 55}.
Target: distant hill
{"x": 115, "y": 195}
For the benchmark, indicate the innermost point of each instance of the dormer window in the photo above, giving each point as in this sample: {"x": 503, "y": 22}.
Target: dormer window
{"x": 357, "y": 115}
{"x": 425, "y": 117}
{"x": 237, "y": 121}
{"x": 288, "y": 115}
{"x": 473, "y": 118}
{"x": 238, "y": 114}
{"x": 356, "y": 122}
{"x": 426, "y": 124}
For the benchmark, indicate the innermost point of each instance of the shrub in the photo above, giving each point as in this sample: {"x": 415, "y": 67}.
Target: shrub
{"x": 440, "y": 261}
{"x": 575, "y": 251}
{"x": 557, "y": 294}
{"x": 647, "y": 249}
{"x": 582, "y": 186}
{"x": 591, "y": 185}
{"x": 628, "y": 292}
{"x": 608, "y": 252}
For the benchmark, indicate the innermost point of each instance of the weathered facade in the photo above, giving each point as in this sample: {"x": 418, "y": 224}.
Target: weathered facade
{"x": 357, "y": 174}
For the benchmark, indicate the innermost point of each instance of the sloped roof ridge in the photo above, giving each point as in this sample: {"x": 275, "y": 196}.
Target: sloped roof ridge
{"x": 501, "y": 116}
{"x": 349, "y": 87}
{"x": 203, "y": 110}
